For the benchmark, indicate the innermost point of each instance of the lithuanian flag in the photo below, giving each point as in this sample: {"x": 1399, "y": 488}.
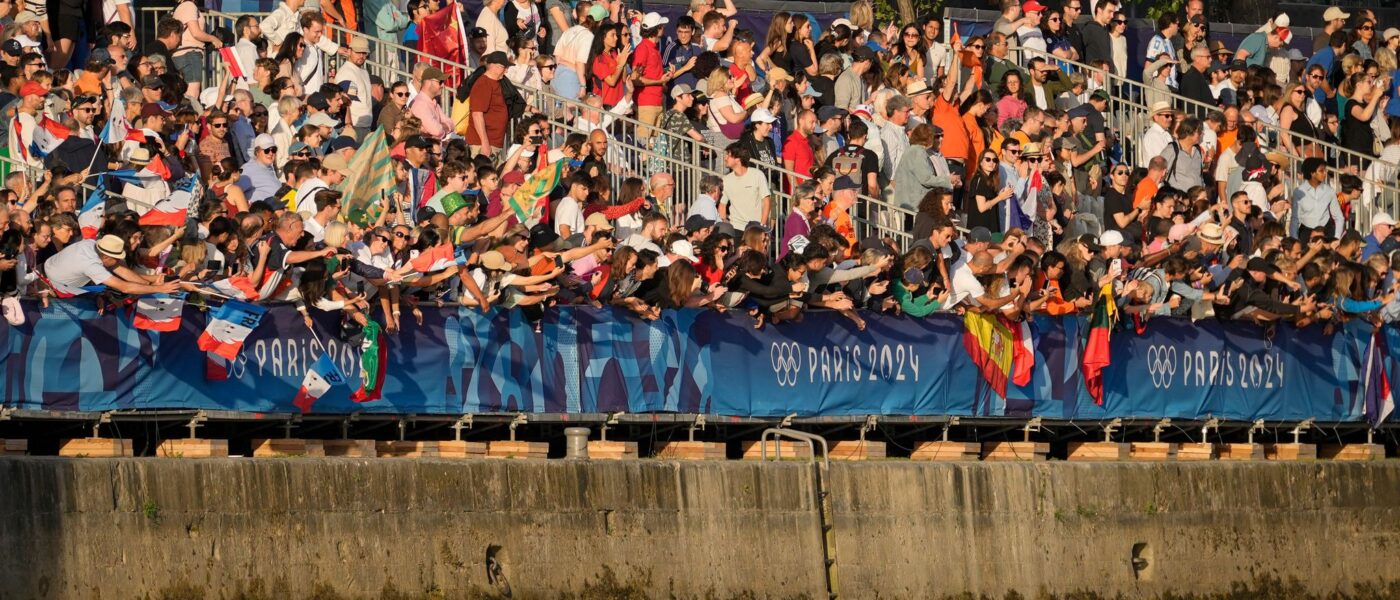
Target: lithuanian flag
{"x": 371, "y": 180}
{"x": 988, "y": 342}
{"x": 1095, "y": 357}
{"x": 536, "y": 189}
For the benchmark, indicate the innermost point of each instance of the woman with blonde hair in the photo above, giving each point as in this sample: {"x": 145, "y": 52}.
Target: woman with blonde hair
{"x": 862, "y": 15}
{"x": 727, "y": 114}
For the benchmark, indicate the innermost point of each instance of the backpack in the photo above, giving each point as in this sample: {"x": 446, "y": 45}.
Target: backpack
{"x": 848, "y": 162}
{"x": 515, "y": 103}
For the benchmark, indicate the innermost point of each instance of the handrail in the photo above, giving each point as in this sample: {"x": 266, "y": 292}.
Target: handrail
{"x": 1124, "y": 91}
{"x": 812, "y": 440}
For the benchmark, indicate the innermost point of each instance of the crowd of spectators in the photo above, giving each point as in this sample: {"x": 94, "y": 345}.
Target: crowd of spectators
{"x": 997, "y": 154}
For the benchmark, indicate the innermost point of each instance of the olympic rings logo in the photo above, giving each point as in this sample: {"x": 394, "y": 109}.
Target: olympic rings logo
{"x": 786, "y": 358}
{"x": 1161, "y": 365}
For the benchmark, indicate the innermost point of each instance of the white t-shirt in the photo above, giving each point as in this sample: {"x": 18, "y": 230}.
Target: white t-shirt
{"x": 574, "y": 45}
{"x": 306, "y": 194}
{"x": 109, "y": 10}
{"x": 745, "y": 196}
{"x": 317, "y": 231}
{"x": 76, "y": 266}
{"x": 966, "y": 288}
{"x": 569, "y": 213}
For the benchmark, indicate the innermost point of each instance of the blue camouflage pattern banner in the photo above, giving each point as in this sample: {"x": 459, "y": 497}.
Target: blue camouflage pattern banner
{"x": 583, "y": 360}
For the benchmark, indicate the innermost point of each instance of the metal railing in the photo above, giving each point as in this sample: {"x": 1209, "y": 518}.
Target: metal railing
{"x": 687, "y": 160}
{"x": 1127, "y": 109}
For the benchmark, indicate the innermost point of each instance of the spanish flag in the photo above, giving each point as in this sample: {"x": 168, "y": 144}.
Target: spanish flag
{"x": 1095, "y": 357}
{"x": 989, "y": 343}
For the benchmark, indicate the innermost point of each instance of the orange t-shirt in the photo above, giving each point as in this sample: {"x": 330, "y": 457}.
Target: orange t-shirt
{"x": 945, "y": 116}
{"x": 975, "y": 142}
{"x": 1145, "y": 192}
{"x": 1225, "y": 140}
{"x": 841, "y": 222}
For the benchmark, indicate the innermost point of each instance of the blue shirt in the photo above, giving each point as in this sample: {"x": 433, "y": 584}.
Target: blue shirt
{"x": 676, "y": 56}
{"x": 1392, "y": 108}
{"x": 1313, "y": 206}
{"x": 1255, "y": 45}
{"x": 1373, "y": 246}
{"x": 259, "y": 181}
{"x": 1324, "y": 57}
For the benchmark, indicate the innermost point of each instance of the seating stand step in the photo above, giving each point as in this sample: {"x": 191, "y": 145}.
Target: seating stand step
{"x": 192, "y": 448}
{"x": 753, "y": 450}
{"x": 280, "y": 447}
{"x": 95, "y": 447}
{"x": 1099, "y": 451}
{"x": 1029, "y": 451}
{"x": 14, "y": 447}
{"x": 689, "y": 451}
{"x": 601, "y": 450}
{"x": 1290, "y": 451}
{"x": 857, "y": 450}
{"x": 406, "y": 449}
{"x": 1244, "y": 451}
{"x": 1197, "y": 452}
{"x": 1351, "y": 451}
{"x": 349, "y": 448}
{"x": 1153, "y": 450}
{"x": 461, "y": 449}
{"x": 517, "y": 449}
{"x": 942, "y": 451}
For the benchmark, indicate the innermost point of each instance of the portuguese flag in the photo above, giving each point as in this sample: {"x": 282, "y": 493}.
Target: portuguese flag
{"x": 988, "y": 342}
{"x": 1096, "y": 356}
{"x": 372, "y": 362}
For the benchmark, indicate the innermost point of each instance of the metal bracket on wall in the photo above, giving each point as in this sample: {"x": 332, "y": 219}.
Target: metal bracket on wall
{"x": 698, "y": 424}
{"x": 1301, "y": 429}
{"x": 787, "y": 421}
{"x": 1211, "y": 423}
{"x": 345, "y": 424}
{"x": 871, "y": 421}
{"x": 1111, "y": 427}
{"x": 103, "y": 420}
{"x": 198, "y": 419}
{"x": 952, "y": 422}
{"x": 1257, "y": 426}
{"x": 463, "y": 422}
{"x": 612, "y": 420}
{"x": 1031, "y": 426}
{"x": 519, "y": 420}
{"x": 1159, "y": 428}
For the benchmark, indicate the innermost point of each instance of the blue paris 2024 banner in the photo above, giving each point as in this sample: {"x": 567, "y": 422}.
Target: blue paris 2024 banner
{"x": 584, "y": 360}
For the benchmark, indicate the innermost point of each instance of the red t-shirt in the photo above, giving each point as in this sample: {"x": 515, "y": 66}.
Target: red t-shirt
{"x": 488, "y": 99}
{"x": 646, "y": 59}
{"x": 799, "y": 151}
{"x": 604, "y": 66}
{"x": 736, "y": 72}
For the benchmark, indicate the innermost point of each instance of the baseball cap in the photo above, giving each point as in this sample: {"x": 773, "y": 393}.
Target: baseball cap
{"x": 681, "y": 90}
{"x": 513, "y": 177}
{"x": 434, "y": 73}
{"x": 695, "y": 223}
{"x": 1111, "y": 238}
{"x": 684, "y": 249}
{"x": 112, "y": 246}
{"x": 777, "y": 74}
{"x": 26, "y": 17}
{"x": 1091, "y": 242}
{"x": 811, "y": 92}
{"x": 979, "y": 234}
{"x": 33, "y": 88}
{"x": 359, "y": 44}
{"x": 598, "y": 12}
{"x": 827, "y": 113}
{"x": 479, "y": 32}
{"x": 153, "y": 109}
{"x": 297, "y": 146}
{"x": 1238, "y": 65}
{"x": 763, "y": 116}
{"x": 151, "y": 82}
{"x": 1032, "y": 6}
{"x": 12, "y": 47}
{"x": 321, "y": 119}
{"x": 863, "y": 108}
{"x": 845, "y": 183}
{"x": 496, "y": 58}
{"x": 336, "y": 162}
{"x": 1333, "y": 13}
{"x": 862, "y": 53}
{"x": 1382, "y": 219}
{"x": 420, "y": 141}
{"x": 595, "y": 220}
{"x": 318, "y": 101}
{"x": 542, "y": 235}
{"x": 1083, "y": 110}
{"x": 1099, "y": 95}
{"x": 342, "y": 142}
{"x": 653, "y": 20}
{"x": 264, "y": 141}
{"x": 1389, "y": 33}
{"x": 494, "y": 261}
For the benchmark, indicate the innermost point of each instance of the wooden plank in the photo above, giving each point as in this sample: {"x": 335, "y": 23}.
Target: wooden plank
{"x": 1098, "y": 451}
{"x": 691, "y": 451}
{"x": 14, "y": 447}
{"x": 349, "y": 448}
{"x": 1197, "y": 452}
{"x": 857, "y": 450}
{"x": 958, "y": 451}
{"x": 790, "y": 449}
{"x": 610, "y": 450}
{"x": 462, "y": 449}
{"x": 1152, "y": 451}
{"x": 192, "y": 448}
{"x": 1032, "y": 451}
{"x": 1238, "y": 451}
{"x": 406, "y": 449}
{"x": 1290, "y": 451}
{"x": 1351, "y": 452}
{"x": 281, "y": 447}
{"x": 95, "y": 447}
{"x": 517, "y": 449}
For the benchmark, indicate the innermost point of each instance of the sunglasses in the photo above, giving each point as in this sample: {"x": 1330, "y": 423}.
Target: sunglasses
{"x": 989, "y": 160}
{"x": 268, "y": 151}
{"x": 1120, "y": 22}
{"x": 401, "y": 235}
{"x": 976, "y": 47}
{"x": 1013, "y": 152}
{"x": 218, "y": 125}
{"x": 549, "y": 67}
{"x": 1366, "y": 28}
{"x": 400, "y": 94}
{"x": 1120, "y": 173}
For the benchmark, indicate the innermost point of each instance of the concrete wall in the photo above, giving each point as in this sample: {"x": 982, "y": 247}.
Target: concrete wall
{"x": 294, "y": 528}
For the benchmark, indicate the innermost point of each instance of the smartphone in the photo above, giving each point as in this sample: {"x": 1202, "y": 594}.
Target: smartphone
{"x": 1116, "y": 267}
{"x": 536, "y": 139}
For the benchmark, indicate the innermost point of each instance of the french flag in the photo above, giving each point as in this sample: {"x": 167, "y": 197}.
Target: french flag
{"x": 320, "y": 378}
{"x": 229, "y": 325}
{"x": 438, "y": 257}
{"x": 171, "y": 210}
{"x": 238, "y": 287}
{"x": 48, "y": 135}
{"x": 115, "y": 130}
{"x": 1378, "y": 397}
{"x": 93, "y": 212}
{"x": 159, "y": 312}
